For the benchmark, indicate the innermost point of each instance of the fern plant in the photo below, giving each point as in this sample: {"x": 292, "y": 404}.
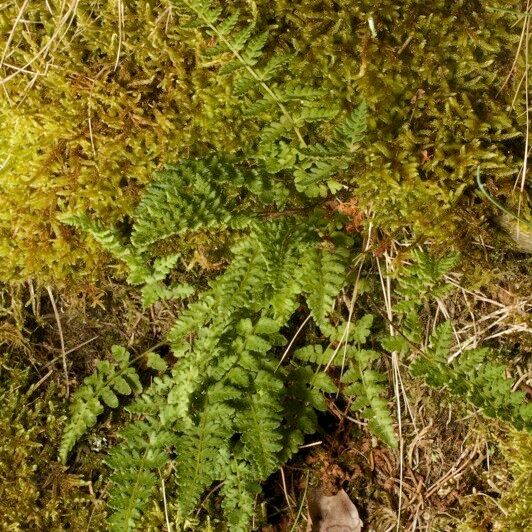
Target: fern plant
{"x": 472, "y": 375}
{"x": 287, "y": 114}
{"x": 232, "y": 408}
{"x": 360, "y": 381}
{"x": 417, "y": 283}
{"x": 110, "y": 378}
{"x": 226, "y": 410}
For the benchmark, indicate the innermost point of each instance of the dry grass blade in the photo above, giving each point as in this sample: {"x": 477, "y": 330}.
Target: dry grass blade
{"x": 60, "y": 31}
{"x": 61, "y": 339}
{"x": 387, "y": 295}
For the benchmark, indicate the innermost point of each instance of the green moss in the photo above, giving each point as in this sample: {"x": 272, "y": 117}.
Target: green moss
{"x": 431, "y": 76}
{"x": 517, "y": 500}
{"x": 88, "y": 135}
{"x": 36, "y": 492}
{"x": 511, "y": 472}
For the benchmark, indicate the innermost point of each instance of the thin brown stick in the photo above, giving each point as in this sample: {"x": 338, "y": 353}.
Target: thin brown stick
{"x": 166, "y": 516}
{"x": 61, "y": 338}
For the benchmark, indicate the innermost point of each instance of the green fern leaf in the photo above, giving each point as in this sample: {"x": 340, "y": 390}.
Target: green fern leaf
{"x": 135, "y": 463}
{"x": 198, "y": 453}
{"x": 239, "y": 491}
{"x": 353, "y": 128}
{"x": 367, "y": 388}
{"x": 323, "y": 275}
{"x": 109, "y": 379}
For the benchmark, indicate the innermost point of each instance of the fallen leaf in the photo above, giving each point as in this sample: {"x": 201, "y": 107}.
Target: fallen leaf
{"x": 336, "y": 513}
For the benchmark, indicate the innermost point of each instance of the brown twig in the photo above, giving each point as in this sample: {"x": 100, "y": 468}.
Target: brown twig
{"x": 61, "y": 338}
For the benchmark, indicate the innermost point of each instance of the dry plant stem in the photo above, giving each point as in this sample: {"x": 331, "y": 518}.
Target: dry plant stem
{"x": 61, "y": 338}
{"x": 294, "y": 338}
{"x": 285, "y": 492}
{"x": 66, "y": 20}
{"x": 33, "y": 300}
{"x": 12, "y": 32}
{"x": 300, "y": 509}
{"x": 206, "y": 498}
{"x": 34, "y": 386}
{"x": 455, "y": 471}
{"x": 71, "y": 350}
{"x": 166, "y": 516}
{"x": 516, "y": 58}
{"x": 387, "y": 295}
{"x": 345, "y": 336}
{"x": 120, "y": 8}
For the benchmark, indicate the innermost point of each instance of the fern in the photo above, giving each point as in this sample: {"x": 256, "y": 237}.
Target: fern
{"x": 227, "y": 410}
{"x": 114, "y": 243}
{"x": 361, "y": 382}
{"x": 473, "y": 376}
{"x": 239, "y": 492}
{"x": 135, "y": 465}
{"x": 417, "y": 283}
{"x": 367, "y": 386}
{"x": 422, "y": 277}
{"x": 224, "y": 412}
{"x": 323, "y": 275}
{"x": 101, "y": 388}
{"x": 284, "y": 107}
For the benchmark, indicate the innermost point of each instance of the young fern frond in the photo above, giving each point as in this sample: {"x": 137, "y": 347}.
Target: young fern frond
{"x": 101, "y": 388}
{"x": 135, "y": 464}
{"x": 473, "y": 376}
{"x": 246, "y": 51}
{"x": 323, "y": 275}
{"x": 368, "y": 389}
{"x": 353, "y": 128}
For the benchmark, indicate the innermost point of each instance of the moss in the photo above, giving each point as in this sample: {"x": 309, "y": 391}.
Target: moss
{"x": 88, "y": 135}
{"x": 510, "y": 474}
{"x": 121, "y": 95}
{"x": 517, "y": 499}
{"x": 36, "y": 492}
{"x": 431, "y": 76}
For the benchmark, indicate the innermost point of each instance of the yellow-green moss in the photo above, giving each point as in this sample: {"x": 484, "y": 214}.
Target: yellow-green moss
{"x": 122, "y": 95}
{"x": 87, "y": 136}
{"x": 36, "y": 492}
{"x": 431, "y": 75}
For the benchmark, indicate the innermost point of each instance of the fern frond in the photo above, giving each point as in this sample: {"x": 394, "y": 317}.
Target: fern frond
{"x": 259, "y": 421}
{"x": 109, "y": 379}
{"x": 315, "y": 354}
{"x": 176, "y": 202}
{"x": 352, "y": 129}
{"x": 474, "y": 376}
{"x": 246, "y": 52}
{"x": 424, "y": 275}
{"x": 144, "y": 449}
{"x": 198, "y": 453}
{"x": 239, "y": 491}
{"x": 323, "y": 275}
{"x": 112, "y": 241}
{"x": 367, "y": 388}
